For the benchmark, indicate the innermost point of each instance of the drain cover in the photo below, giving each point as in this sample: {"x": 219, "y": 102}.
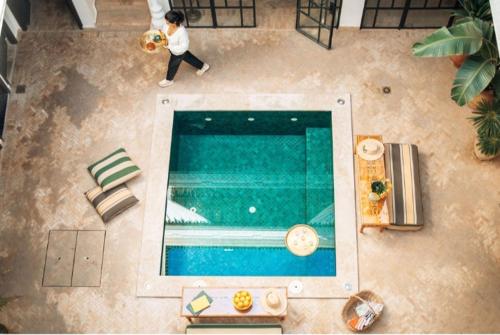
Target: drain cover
{"x": 20, "y": 89}
{"x": 199, "y": 283}
{"x": 296, "y": 286}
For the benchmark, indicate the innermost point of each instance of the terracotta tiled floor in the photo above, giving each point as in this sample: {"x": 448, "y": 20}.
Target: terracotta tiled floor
{"x": 89, "y": 92}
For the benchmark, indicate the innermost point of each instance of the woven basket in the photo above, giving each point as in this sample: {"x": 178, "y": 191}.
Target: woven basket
{"x": 348, "y": 312}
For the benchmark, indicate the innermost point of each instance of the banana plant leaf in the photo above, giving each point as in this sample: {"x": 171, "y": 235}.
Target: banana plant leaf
{"x": 484, "y": 12}
{"x": 462, "y": 39}
{"x": 472, "y": 78}
{"x": 475, "y": 9}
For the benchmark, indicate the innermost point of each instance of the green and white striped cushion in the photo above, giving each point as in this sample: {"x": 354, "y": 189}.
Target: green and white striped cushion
{"x": 114, "y": 169}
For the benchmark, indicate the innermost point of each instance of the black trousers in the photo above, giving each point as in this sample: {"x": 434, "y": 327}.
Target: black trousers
{"x": 175, "y": 61}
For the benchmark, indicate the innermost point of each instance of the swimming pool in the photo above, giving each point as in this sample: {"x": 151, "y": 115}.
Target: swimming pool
{"x": 237, "y": 182}
{"x": 247, "y": 261}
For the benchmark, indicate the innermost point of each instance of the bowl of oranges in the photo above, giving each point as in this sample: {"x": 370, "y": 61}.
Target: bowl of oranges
{"x": 242, "y": 301}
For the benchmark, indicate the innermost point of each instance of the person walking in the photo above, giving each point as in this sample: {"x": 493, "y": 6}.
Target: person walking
{"x": 178, "y": 45}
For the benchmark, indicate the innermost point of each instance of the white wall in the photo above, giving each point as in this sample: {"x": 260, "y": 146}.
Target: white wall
{"x": 352, "y": 12}
{"x": 3, "y": 4}
{"x": 158, "y": 8}
{"x": 495, "y": 10}
{"x": 87, "y": 12}
{"x": 11, "y": 21}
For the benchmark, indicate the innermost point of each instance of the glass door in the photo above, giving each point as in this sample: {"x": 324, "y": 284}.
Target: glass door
{"x": 217, "y": 13}
{"x": 5, "y": 87}
{"x": 316, "y": 19}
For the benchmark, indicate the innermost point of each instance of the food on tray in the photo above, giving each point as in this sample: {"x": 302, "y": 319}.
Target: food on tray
{"x": 242, "y": 300}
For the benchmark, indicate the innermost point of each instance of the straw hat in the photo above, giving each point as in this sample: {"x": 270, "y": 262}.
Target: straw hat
{"x": 274, "y": 301}
{"x": 370, "y": 149}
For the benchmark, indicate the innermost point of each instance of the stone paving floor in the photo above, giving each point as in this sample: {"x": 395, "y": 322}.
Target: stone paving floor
{"x": 90, "y": 92}
{"x": 50, "y": 15}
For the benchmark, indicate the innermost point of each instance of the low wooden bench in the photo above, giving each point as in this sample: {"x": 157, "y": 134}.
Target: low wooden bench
{"x": 402, "y": 210}
{"x": 222, "y": 304}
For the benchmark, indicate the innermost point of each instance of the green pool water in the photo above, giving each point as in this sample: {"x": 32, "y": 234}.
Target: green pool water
{"x": 251, "y": 170}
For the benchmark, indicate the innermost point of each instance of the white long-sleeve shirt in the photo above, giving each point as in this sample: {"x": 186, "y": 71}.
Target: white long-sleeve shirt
{"x": 178, "y": 42}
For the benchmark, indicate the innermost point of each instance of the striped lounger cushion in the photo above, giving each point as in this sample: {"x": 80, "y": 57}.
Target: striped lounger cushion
{"x": 114, "y": 169}
{"x": 405, "y": 200}
{"x": 111, "y": 203}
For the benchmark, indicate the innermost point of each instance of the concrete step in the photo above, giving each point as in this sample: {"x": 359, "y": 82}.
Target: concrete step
{"x": 107, "y": 5}
{"x": 122, "y": 15}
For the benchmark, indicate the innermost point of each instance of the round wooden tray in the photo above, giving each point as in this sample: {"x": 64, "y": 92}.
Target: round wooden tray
{"x": 152, "y": 41}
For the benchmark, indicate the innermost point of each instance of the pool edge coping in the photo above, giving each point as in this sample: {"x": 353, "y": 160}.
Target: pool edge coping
{"x": 151, "y": 284}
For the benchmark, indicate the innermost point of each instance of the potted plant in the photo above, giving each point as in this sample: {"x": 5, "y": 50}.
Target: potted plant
{"x": 476, "y": 9}
{"x": 486, "y": 120}
{"x": 380, "y": 190}
{"x": 475, "y": 39}
{"x": 477, "y": 82}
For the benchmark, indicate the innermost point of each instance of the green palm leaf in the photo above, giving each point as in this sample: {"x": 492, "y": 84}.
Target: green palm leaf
{"x": 489, "y": 144}
{"x": 486, "y": 118}
{"x": 461, "y": 39}
{"x": 472, "y": 78}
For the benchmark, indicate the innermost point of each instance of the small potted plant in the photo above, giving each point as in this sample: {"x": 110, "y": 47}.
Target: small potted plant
{"x": 380, "y": 190}
{"x": 486, "y": 120}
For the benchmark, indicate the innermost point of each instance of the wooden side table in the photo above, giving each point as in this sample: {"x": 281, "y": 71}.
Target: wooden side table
{"x": 370, "y": 215}
{"x": 222, "y": 304}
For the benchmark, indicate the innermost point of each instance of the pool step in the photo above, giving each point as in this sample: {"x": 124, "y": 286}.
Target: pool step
{"x": 319, "y": 191}
{"x": 196, "y": 180}
{"x": 196, "y": 236}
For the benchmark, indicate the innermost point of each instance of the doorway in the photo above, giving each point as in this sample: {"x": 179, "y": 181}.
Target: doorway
{"x": 316, "y": 19}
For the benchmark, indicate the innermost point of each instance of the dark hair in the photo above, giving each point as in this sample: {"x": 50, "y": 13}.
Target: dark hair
{"x": 174, "y": 16}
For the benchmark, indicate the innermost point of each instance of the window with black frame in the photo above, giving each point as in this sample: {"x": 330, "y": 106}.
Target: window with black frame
{"x": 217, "y": 13}
{"x": 407, "y": 14}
